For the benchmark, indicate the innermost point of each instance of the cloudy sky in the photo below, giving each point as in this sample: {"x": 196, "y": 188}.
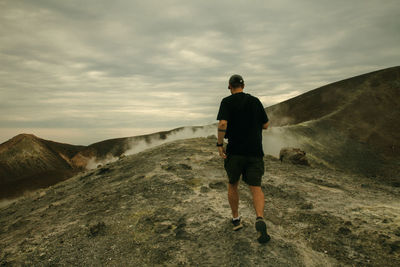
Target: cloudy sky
{"x": 84, "y": 71}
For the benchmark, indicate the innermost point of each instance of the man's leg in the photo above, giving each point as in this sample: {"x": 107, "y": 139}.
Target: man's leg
{"x": 253, "y": 175}
{"x": 233, "y": 197}
{"x": 258, "y": 203}
{"x": 258, "y": 200}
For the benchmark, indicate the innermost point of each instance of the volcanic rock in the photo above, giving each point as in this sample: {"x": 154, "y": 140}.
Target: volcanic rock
{"x": 293, "y": 155}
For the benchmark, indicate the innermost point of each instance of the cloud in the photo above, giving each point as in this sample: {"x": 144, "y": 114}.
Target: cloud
{"x": 155, "y": 65}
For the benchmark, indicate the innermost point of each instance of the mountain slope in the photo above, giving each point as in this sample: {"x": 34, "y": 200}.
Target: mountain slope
{"x": 351, "y": 124}
{"x": 315, "y": 104}
{"x": 168, "y": 206}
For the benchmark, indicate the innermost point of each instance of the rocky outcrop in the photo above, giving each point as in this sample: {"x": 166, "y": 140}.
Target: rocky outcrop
{"x": 293, "y": 155}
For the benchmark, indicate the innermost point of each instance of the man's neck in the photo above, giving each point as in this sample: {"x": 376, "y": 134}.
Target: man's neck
{"x": 237, "y": 90}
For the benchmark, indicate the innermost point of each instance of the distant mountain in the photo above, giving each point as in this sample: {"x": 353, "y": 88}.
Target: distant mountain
{"x": 353, "y": 123}
{"x": 29, "y": 162}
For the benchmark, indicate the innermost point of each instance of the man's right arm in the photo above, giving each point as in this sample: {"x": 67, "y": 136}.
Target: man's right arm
{"x": 265, "y": 125}
{"x": 222, "y": 125}
{"x": 223, "y": 115}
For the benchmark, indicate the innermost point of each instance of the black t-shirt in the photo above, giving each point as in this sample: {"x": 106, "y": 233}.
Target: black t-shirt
{"x": 245, "y": 115}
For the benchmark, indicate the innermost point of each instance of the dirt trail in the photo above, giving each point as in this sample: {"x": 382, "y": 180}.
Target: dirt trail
{"x": 168, "y": 206}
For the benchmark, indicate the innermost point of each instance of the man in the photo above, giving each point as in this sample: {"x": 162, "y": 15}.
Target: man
{"x": 241, "y": 120}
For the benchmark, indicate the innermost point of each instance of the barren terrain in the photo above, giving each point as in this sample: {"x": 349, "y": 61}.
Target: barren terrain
{"x": 168, "y": 206}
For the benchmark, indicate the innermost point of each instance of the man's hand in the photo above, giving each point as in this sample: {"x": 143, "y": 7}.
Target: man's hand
{"x": 221, "y": 151}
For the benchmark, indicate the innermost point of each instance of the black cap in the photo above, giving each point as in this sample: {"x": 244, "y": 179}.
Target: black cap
{"x": 236, "y": 81}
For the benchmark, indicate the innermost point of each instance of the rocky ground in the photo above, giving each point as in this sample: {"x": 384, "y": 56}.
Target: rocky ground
{"x": 168, "y": 206}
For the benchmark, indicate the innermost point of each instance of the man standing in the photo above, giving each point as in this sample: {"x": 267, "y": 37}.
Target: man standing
{"x": 241, "y": 120}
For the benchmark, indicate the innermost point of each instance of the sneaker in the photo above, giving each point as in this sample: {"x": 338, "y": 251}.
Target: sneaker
{"x": 237, "y": 224}
{"x": 261, "y": 227}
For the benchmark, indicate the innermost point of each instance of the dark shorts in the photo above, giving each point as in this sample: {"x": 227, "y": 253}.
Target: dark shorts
{"x": 251, "y": 169}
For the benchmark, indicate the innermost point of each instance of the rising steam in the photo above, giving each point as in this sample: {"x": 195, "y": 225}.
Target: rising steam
{"x": 138, "y": 145}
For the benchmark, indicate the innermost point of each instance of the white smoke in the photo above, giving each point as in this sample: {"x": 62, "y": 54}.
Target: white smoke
{"x": 93, "y": 162}
{"x": 275, "y": 138}
{"x": 139, "y": 145}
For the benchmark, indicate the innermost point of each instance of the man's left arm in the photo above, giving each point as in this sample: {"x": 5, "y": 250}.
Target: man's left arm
{"x": 222, "y": 125}
{"x": 263, "y": 116}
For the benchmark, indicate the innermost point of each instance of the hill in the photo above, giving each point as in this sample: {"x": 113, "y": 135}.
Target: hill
{"x": 29, "y": 162}
{"x": 167, "y": 206}
{"x": 352, "y": 124}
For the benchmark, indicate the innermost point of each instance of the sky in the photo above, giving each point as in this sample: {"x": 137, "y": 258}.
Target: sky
{"x": 80, "y": 72}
